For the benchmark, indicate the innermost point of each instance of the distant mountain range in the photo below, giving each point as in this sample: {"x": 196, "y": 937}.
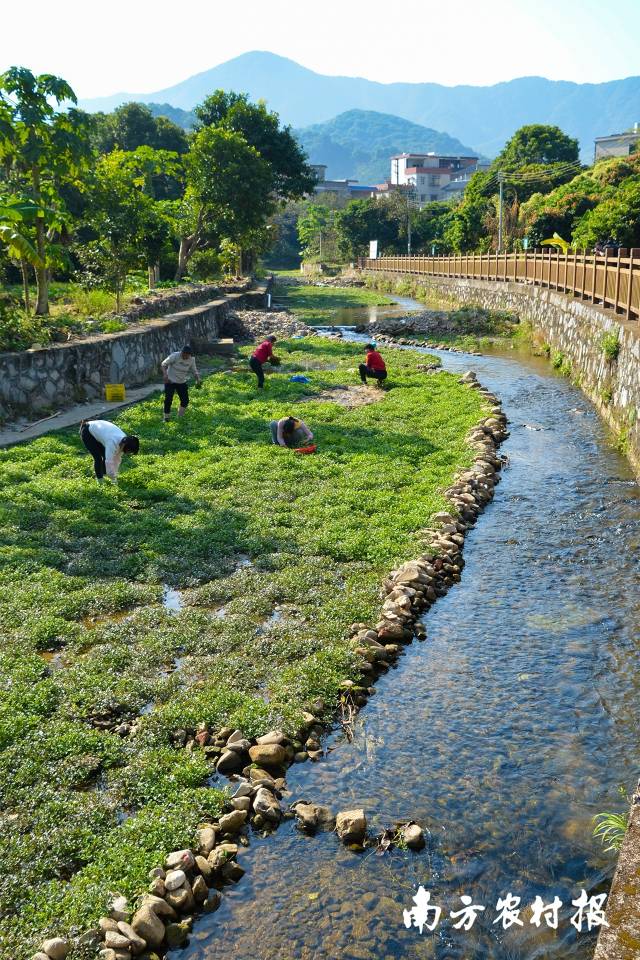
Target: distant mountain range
{"x": 484, "y": 116}
{"x": 359, "y": 143}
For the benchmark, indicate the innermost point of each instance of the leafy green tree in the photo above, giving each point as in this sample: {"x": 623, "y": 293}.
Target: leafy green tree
{"x": 16, "y": 214}
{"x": 364, "y": 220}
{"x": 617, "y": 216}
{"x": 317, "y": 232}
{"x": 228, "y": 193}
{"x": 41, "y": 149}
{"x": 291, "y": 175}
{"x": 133, "y": 125}
{"x": 537, "y": 143}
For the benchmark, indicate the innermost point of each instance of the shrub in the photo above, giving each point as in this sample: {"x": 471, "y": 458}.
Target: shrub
{"x": 610, "y": 345}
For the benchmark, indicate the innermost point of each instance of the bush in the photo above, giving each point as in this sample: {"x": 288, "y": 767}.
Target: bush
{"x": 19, "y": 331}
{"x": 610, "y": 345}
{"x": 205, "y": 265}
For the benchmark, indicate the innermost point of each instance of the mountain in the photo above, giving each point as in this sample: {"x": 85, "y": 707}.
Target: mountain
{"x": 484, "y": 116}
{"x": 358, "y": 143}
{"x": 183, "y": 118}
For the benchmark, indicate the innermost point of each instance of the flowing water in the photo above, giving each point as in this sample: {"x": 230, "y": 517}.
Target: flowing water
{"x": 353, "y": 316}
{"x": 503, "y": 733}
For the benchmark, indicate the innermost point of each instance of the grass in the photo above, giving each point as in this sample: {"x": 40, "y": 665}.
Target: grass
{"x": 317, "y": 305}
{"x": 211, "y": 507}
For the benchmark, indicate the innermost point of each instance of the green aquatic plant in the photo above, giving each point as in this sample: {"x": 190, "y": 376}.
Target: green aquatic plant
{"x": 610, "y": 829}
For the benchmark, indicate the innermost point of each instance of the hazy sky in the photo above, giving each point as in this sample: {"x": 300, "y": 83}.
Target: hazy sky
{"x": 141, "y": 46}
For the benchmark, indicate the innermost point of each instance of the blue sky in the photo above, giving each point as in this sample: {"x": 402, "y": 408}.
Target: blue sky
{"x": 140, "y": 46}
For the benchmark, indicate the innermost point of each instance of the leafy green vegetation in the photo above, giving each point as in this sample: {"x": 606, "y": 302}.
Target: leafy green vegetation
{"x": 610, "y": 829}
{"x": 317, "y": 305}
{"x": 244, "y": 529}
{"x": 610, "y": 343}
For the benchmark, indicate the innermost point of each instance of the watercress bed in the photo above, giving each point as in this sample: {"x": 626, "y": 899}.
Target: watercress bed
{"x": 274, "y": 556}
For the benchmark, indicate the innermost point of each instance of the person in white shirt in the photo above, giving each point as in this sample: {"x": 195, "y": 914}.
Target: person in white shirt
{"x": 290, "y": 432}
{"x": 107, "y": 443}
{"x": 176, "y": 370}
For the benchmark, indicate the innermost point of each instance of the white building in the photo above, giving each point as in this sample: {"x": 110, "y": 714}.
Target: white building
{"x": 427, "y": 174}
{"x": 617, "y": 144}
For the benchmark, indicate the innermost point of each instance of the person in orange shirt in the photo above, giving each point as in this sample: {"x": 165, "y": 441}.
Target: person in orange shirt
{"x": 374, "y": 365}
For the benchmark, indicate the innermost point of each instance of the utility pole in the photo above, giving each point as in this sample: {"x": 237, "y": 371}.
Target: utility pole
{"x": 501, "y": 182}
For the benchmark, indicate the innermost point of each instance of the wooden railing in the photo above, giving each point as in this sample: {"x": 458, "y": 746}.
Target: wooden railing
{"x": 611, "y": 279}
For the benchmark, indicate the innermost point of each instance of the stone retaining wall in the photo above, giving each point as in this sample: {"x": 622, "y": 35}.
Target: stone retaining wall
{"x": 39, "y": 380}
{"x": 574, "y": 331}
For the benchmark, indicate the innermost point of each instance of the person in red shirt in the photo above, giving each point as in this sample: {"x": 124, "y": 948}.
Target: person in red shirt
{"x": 374, "y": 365}
{"x": 259, "y": 356}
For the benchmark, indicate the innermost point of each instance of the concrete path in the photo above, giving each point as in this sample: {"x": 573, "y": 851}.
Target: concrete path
{"x": 21, "y": 431}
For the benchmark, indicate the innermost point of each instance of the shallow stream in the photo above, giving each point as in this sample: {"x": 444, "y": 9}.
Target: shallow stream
{"x": 503, "y": 734}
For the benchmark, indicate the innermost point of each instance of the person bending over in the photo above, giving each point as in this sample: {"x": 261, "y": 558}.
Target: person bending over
{"x": 107, "y": 443}
{"x": 259, "y": 356}
{"x": 374, "y": 365}
{"x": 290, "y": 432}
{"x": 176, "y": 370}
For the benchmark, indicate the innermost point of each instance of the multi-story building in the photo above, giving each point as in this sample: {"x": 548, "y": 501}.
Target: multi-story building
{"x": 617, "y": 144}
{"x": 350, "y": 189}
{"x": 427, "y": 174}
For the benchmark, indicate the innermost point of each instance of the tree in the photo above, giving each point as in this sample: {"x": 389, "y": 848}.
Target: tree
{"x": 537, "y": 143}
{"x": 364, "y": 220}
{"x": 228, "y": 192}
{"x": 41, "y": 149}
{"x": 16, "y": 214}
{"x": 317, "y": 232}
{"x": 291, "y": 175}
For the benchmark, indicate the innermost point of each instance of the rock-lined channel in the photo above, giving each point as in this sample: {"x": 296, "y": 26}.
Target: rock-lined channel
{"x": 502, "y": 734}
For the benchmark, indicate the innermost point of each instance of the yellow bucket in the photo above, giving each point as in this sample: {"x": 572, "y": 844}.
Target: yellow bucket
{"x": 114, "y": 392}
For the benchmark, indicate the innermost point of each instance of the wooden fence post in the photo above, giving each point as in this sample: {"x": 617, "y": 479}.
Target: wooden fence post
{"x": 630, "y": 284}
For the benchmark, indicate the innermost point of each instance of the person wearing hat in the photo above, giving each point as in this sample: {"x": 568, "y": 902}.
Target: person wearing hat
{"x": 176, "y": 370}
{"x": 259, "y": 356}
{"x": 107, "y": 443}
{"x": 374, "y": 365}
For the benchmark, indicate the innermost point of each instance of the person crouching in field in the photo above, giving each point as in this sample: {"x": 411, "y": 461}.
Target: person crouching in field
{"x": 176, "y": 370}
{"x": 374, "y": 365}
{"x": 290, "y": 432}
{"x": 259, "y": 356}
{"x": 107, "y": 443}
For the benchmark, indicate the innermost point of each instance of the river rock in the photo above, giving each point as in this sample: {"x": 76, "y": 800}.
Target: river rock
{"x": 200, "y": 889}
{"x": 413, "y": 836}
{"x": 233, "y": 822}
{"x": 232, "y": 871}
{"x": 107, "y": 923}
{"x": 181, "y": 899}
{"x": 230, "y": 762}
{"x": 180, "y": 860}
{"x": 212, "y": 902}
{"x": 119, "y": 908}
{"x": 240, "y": 747}
{"x": 206, "y": 840}
{"x": 56, "y": 948}
{"x": 116, "y": 941}
{"x": 265, "y": 803}
{"x": 268, "y": 754}
{"x": 157, "y": 887}
{"x": 175, "y": 879}
{"x": 274, "y": 736}
{"x": 149, "y": 926}
{"x": 136, "y": 943}
{"x": 204, "y": 867}
{"x": 351, "y": 826}
{"x": 241, "y": 803}
{"x": 105, "y": 954}
{"x": 243, "y": 789}
{"x": 159, "y": 906}
{"x": 177, "y": 935}
{"x": 307, "y": 816}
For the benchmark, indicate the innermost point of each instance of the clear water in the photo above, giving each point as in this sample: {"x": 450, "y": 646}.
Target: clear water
{"x": 503, "y": 734}
{"x": 354, "y": 316}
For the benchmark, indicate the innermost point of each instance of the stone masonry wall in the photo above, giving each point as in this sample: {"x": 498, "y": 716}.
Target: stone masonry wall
{"x": 37, "y": 380}
{"x": 575, "y": 329}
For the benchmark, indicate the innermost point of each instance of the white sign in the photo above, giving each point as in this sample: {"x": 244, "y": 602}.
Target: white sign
{"x": 373, "y": 249}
